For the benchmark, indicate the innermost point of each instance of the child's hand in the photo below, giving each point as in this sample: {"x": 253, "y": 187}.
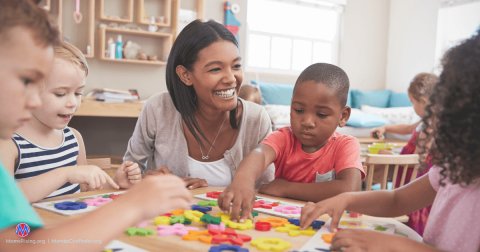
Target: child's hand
{"x": 158, "y": 194}
{"x": 334, "y": 207}
{"x": 194, "y": 183}
{"x": 91, "y": 175}
{"x": 242, "y": 197}
{"x": 128, "y": 174}
{"x": 365, "y": 240}
{"x": 274, "y": 188}
{"x": 378, "y": 133}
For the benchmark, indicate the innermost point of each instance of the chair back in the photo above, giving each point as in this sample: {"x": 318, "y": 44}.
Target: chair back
{"x": 102, "y": 163}
{"x": 387, "y": 160}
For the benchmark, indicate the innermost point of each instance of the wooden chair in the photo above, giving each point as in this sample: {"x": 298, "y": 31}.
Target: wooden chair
{"x": 387, "y": 160}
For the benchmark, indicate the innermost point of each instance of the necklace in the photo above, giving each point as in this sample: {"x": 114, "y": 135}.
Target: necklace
{"x": 207, "y": 157}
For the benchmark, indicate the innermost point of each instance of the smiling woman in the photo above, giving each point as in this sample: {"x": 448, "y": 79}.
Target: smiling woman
{"x": 184, "y": 131}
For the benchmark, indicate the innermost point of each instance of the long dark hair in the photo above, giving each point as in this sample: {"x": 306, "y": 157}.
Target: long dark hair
{"x": 454, "y": 115}
{"x": 192, "y": 39}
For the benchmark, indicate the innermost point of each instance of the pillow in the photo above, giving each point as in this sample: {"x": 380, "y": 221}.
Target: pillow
{"x": 349, "y": 99}
{"x": 275, "y": 93}
{"x": 366, "y": 121}
{"x": 279, "y": 114}
{"x": 399, "y": 100}
{"x": 378, "y": 98}
{"x": 400, "y": 115}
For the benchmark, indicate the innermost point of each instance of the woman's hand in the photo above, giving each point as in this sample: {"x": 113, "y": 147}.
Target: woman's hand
{"x": 91, "y": 175}
{"x": 334, "y": 207}
{"x": 194, "y": 183}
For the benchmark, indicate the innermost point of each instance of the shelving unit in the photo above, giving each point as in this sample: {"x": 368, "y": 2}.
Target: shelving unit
{"x": 166, "y": 37}
{"x": 45, "y": 4}
{"x": 176, "y": 7}
{"x": 101, "y": 15}
{"x": 166, "y": 13}
{"x": 91, "y": 25}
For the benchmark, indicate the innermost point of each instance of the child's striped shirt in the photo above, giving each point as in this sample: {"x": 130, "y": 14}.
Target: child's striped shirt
{"x": 34, "y": 160}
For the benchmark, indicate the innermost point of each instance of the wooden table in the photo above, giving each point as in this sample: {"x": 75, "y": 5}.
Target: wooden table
{"x": 175, "y": 243}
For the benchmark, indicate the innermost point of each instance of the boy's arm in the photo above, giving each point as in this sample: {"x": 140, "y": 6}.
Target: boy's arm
{"x": 347, "y": 180}
{"x": 241, "y": 191}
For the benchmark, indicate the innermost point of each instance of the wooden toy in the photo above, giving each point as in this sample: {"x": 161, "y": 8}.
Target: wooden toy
{"x": 328, "y": 237}
{"x": 226, "y": 218}
{"x": 316, "y": 224}
{"x": 163, "y": 220}
{"x": 210, "y": 219}
{"x": 213, "y": 194}
{"x": 113, "y": 197}
{"x": 264, "y": 204}
{"x": 225, "y": 247}
{"x": 275, "y": 222}
{"x": 178, "y": 212}
{"x": 176, "y": 229}
{"x": 202, "y": 209}
{"x": 217, "y": 227}
{"x": 229, "y": 235}
{"x": 194, "y": 215}
{"x": 208, "y": 203}
{"x": 263, "y": 226}
{"x": 68, "y": 205}
{"x": 203, "y": 236}
{"x": 97, "y": 201}
{"x": 288, "y": 209}
{"x": 276, "y": 244}
{"x": 143, "y": 224}
{"x": 180, "y": 219}
{"x": 139, "y": 231}
{"x": 293, "y": 230}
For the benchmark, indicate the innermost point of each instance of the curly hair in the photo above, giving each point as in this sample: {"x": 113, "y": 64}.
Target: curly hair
{"x": 454, "y": 115}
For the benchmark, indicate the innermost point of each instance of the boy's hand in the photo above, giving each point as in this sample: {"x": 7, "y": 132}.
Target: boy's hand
{"x": 91, "y": 175}
{"x": 274, "y": 188}
{"x": 364, "y": 240}
{"x": 128, "y": 174}
{"x": 158, "y": 194}
{"x": 334, "y": 207}
{"x": 242, "y": 196}
{"x": 194, "y": 183}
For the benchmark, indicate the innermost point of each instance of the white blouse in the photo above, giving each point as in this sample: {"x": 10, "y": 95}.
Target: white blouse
{"x": 216, "y": 173}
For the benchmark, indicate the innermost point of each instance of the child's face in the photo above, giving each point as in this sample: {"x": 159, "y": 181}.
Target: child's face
{"x": 315, "y": 114}
{"x": 418, "y": 106}
{"x": 217, "y": 76}
{"x": 24, "y": 64}
{"x": 61, "y": 96}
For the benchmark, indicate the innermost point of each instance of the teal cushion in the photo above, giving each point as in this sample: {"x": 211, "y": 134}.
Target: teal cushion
{"x": 379, "y": 186}
{"x": 349, "y": 99}
{"x": 366, "y": 121}
{"x": 399, "y": 100}
{"x": 280, "y": 94}
{"x": 377, "y": 99}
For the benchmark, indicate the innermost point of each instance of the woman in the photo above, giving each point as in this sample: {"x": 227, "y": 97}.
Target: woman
{"x": 200, "y": 130}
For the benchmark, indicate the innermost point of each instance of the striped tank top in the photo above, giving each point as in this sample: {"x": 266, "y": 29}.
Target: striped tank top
{"x": 34, "y": 160}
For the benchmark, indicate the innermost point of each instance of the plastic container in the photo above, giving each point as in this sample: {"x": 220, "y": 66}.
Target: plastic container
{"x": 111, "y": 48}
{"x": 119, "y": 51}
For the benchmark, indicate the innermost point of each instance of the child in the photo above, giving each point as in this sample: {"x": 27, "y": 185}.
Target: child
{"x": 26, "y": 57}
{"x": 420, "y": 89}
{"x": 451, "y": 185}
{"x": 250, "y": 92}
{"x": 48, "y": 158}
{"x": 309, "y": 151}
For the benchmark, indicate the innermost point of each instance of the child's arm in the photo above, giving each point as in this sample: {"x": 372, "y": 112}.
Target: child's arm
{"x": 241, "y": 192}
{"x": 109, "y": 221}
{"x": 402, "y": 129}
{"x": 385, "y": 203}
{"x": 347, "y": 180}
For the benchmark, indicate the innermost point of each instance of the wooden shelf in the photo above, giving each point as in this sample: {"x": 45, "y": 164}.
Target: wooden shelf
{"x": 176, "y": 7}
{"x": 167, "y": 44}
{"x": 166, "y": 13}
{"x": 104, "y": 109}
{"x": 101, "y": 15}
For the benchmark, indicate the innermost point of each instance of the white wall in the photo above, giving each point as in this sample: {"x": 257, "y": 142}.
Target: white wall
{"x": 411, "y": 41}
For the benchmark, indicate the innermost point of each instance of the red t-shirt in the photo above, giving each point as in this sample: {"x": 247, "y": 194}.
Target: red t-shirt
{"x": 295, "y": 165}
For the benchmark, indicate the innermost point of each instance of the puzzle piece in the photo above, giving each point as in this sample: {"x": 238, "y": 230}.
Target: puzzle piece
{"x": 176, "y": 229}
{"x": 163, "y": 220}
{"x": 254, "y": 214}
{"x": 208, "y": 203}
{"x": 180, "y": 219}
{"x": 106, "y": 196}
{"x": 113, "y": 196}
{"x": 167, "y": 214}
{"x": 97, "y": 201}
{"x": 210, "y": 219}
{"x": 143, "y": 224}
{"x": 203, "y": 236}
{"x": 225, "y": 247}
{"x": 293, "y": 230}
{"x": 275, "y": 222}
{"x": 354, "y": 215}
{"x": 69, "y": 205}
{"x": 139, "y": 231}
{"x": 194, "y": 215}
{"x": 226, "y": 218}
{"x": 327, "y": 238}
{"x": 178, "y": 212}
{"x": 217, "y": 227}
{"x": 82, "y": 200}
{"x": 380, "y": 228}
{"x": 263, "y": 226}
{"x": 288, "y": 209}
{"x": 213, "y": 194}
{"x": 264, "y": 204}
{"x": 229, "y": 235}
{"x": 316, "y": 224}
{"x": 276, "y": 244}
{"x": 203, "y": 209}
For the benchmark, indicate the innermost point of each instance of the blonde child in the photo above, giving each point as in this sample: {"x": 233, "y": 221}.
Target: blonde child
{"x": 26, "y": 58}
{"x": 250, "y": 92}
{"x": 452, "y": 185}
{"x": 46, "y": 156}
{"x": 308, "y": 152}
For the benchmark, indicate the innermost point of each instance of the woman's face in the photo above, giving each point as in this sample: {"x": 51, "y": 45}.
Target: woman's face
{"x": 217, "y": 76}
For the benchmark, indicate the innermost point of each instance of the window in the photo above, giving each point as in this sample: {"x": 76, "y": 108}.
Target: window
{"x": 286, "y": 36}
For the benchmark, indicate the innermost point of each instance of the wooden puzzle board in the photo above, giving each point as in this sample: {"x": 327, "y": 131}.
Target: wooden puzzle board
{"x": 264, "y": 210}
{"x": 392, "y": 226}
{"x": 49, "y": 205}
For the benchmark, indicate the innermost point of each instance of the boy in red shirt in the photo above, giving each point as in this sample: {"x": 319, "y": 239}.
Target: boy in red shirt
{"x": 308, "y": 151}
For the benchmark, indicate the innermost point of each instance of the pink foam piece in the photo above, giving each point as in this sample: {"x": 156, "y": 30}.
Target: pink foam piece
{"x": 354, "y": 215}
{"x": 176, "y": 229}
{"x": 220, "y": 227}
{"x": 97, "y": 201}
{"x": 288, "y": 209}
{"x": 143, "y": 224}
